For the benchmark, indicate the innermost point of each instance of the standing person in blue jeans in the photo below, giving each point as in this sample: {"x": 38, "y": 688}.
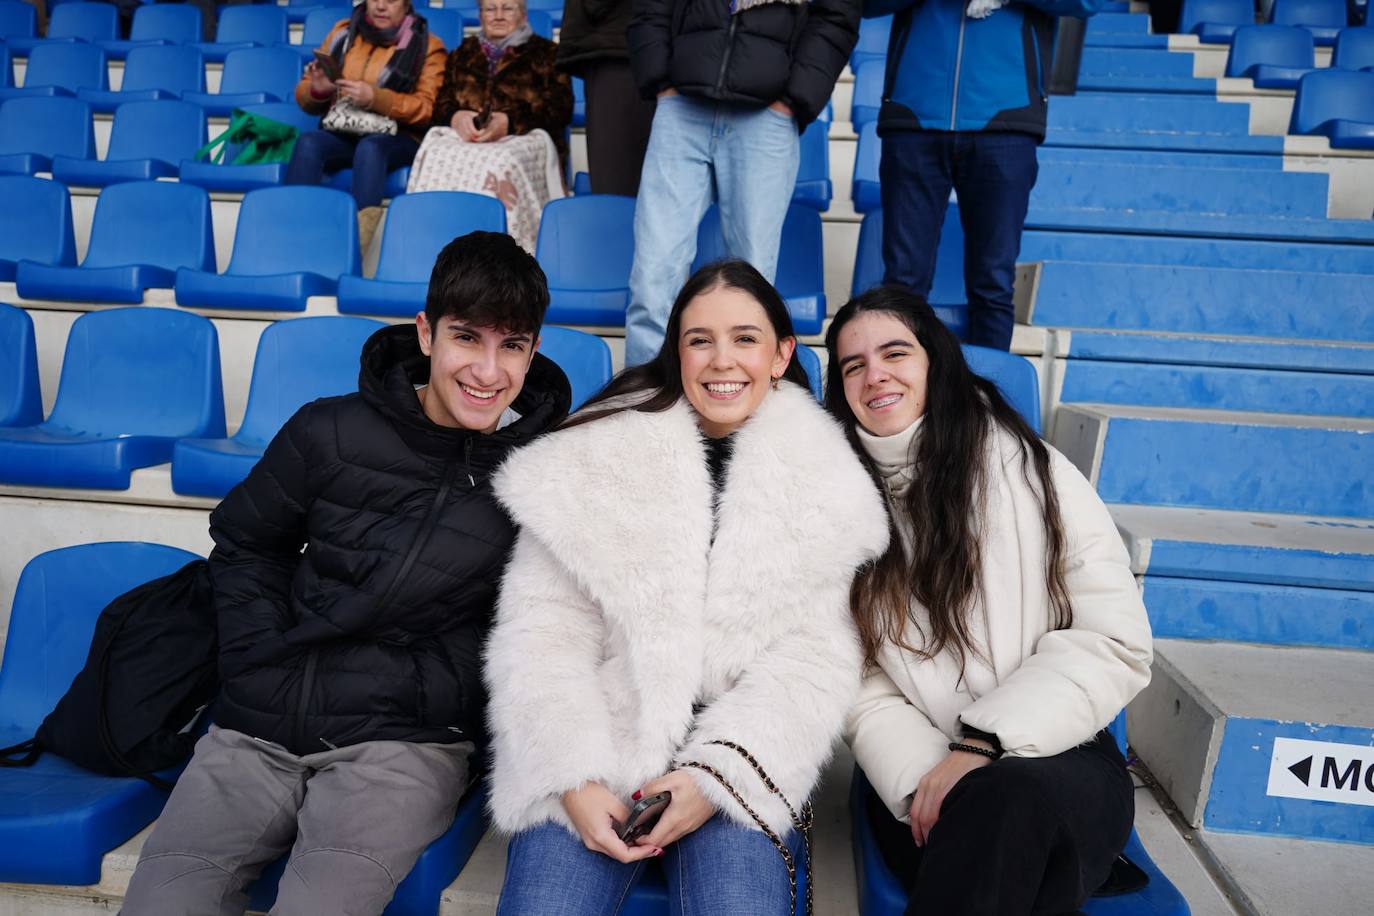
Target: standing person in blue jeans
{"x": 964, "y": 103}
{"x": 736, "y": 83}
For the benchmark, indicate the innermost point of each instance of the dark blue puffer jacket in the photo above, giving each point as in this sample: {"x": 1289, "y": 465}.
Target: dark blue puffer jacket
{"x": 946, "y": 71}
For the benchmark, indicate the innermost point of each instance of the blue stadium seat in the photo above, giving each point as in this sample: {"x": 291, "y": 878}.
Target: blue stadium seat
{"x": 290, "y": 243}
{"x": 148, "y": 140}
{"x": 61, "y": 68}
{"x": 586, "y": 247}
{"x": 229, "y": 177}
{"x": 1354, "y": 48}
{"x": 18, "y": 23}
{"x": 801, "y": 263}
{"x": 35, "y": 222}
{"x": 298, "y": 10}
{"x": 6, "y": 66}
{"x": 142, "y": 232}
{"x": 815, "y": 374}
{"x": 395, "y": 186}
{"x": 319, "y": 22}
{"x": 446, "y": 25}
{"x": 868, "y": 258}
{"x": 251, "y": 76}
{"x": 152, "y": 72}
{"x": 298, "y": 361}
{"x": 1323, "y": 18}
{"x": 57, "y": 820}
{"x": 864, "y": 189}
{"x": 417, "y": 228}
{"x": 881, "y": 893}
{"x": 579, "y": 89}
{"x": 244, "y": 27}
{"x": 21, "y": 401}
{"x": 542, "y": 21}
{"x": 1215, "y": 21}
{"x": 1338, "y": 104}
{"x": 1271, "y": 56}
{"x": 813, "y": 188}
{"x": 868, "y": 93}
{"x": 946, "y": 296}
{"x": 874, "y": 35}
{"x": 84, "y": 22}
{"x": 134, "y": 380}
{"x": 155, "y": 24}
{"x": 1013, "y": 375}
{"x": 584, "y": 358}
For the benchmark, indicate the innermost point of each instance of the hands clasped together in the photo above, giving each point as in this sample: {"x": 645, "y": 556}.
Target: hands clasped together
{"x": 464, "y": 124}
{"x": 594, "y": 810}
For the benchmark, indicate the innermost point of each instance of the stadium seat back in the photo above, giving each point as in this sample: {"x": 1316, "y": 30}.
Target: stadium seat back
{"x": 166, "y": 130}
{"x": 587, "y": 242}
{"x": 178, "y": 22}
{"x": 261, "y": 24}
{"x": 84, "y": 21}
{"x": 813, "y": 186}
{"x": 36, "y": 220}
{"x": 815, "y": 374}
{"x": 17, "y": 20}
{"x": 6, "y": 66}
{"x": 141, "y": 371}
{"x": 1354, "y": 48}
{"x": 52, "y": 620}
{"x": 868, "y": 92}
{"x": 174, "y": 68}
{"x": 163, "y": 223}
{"x": 541, "y": 23}
{"x": 21, "y": 403}
{"x": 69, "y": 65}
{"x": 874, "y": 35}
{"x": 321, "y": 20}
{"x": 1224, "y": 12}
{"x": 298, "y": 361}
{"x": 1329, "y": 14}
{"x": 584, "y": 358}
{"x": 272, "y": 70}
{"x": 868, "y": 259}
{"x": 446, "y": 25}
{"x": 801, "y": 267}
{"x": 1013, "y": 375}
{"x": 418, "y": 226}
{"x": 296, "y": 229}
{"x": 1328, "y": 95}
{"x": 1274, "y": 45}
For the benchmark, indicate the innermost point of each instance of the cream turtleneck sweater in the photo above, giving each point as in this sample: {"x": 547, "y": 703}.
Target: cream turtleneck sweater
{"x": 892, "y": 455}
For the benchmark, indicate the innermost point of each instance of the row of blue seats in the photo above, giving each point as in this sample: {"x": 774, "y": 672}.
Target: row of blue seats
{"x": 1279, "y": 56}
{"x": 1216, "y": 21}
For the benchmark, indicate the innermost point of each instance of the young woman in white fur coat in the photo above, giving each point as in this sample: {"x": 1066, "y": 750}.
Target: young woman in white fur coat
{"x": 675, "y": 617}
{"x": 1002, "y": 630}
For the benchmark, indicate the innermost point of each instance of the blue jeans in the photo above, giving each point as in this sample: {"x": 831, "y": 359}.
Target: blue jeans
{"x": 371, "y": 157}
{"x": 993, "y": 173}
{"x": 720, "y": 869}
{"x": 743, "y": 158}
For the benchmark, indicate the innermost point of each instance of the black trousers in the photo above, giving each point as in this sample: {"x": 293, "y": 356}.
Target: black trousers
{"x": 618, "y": 123}
{"x": 1019, "y": 836}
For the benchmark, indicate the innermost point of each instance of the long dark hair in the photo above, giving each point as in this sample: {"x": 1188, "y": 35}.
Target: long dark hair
{"x": 662, "y": 375}
{"x": 943, "y": 502}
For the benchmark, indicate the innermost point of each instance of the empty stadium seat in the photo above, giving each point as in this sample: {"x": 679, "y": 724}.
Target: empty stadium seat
{"x": 142, "y": 232}
{"x": 1323, "y": 18}
{"x": 244, "y": 27}
{"x": 61, "y": 68}
{"x": 541, "y": 21}
{"x": 864, "y": 188}
{"x": 148, "y": 140}
{"x": 586, "y": 247}
{"x": 21, "y": 401}
{"x": 299, "y": 10}
{"x": 1354, "y": 49}
{"x": 157, "y": 23}
{"x": 446, "y": 25}
{"x": 584, "y": 358}
{"x": 868, "y": 93}
{"x": 1215, "y": 21}
{"x": 868, "y": 258}
{"x": 813, "y": 188}
{"x": 1271, "y": 56}
{"x": 801, "y": 263}
{"x": 251, "y": 76}
{"x": 18, "y": 24}
{"x": 579, "y": 89}
{"x": 6, "y": 67}
{"x": 947, "y": 296}
{"x": 416, "y": 229}
{"x": 319, "y": 21}
{"x": 134, "y": 380}
{"x": 815, "y": 373}
{"x": 152, "y": 72}
{"x": 1338, "y": 104}
{"x": 226, "y": 176}
{"x": 298, "y": 361}
{"x": 874, "y": 35}
{"x": 84, "y": 22}
{"x": 35, "y": 222}
{"x": 57, "y": 820}
{"x": 290, "y": 243}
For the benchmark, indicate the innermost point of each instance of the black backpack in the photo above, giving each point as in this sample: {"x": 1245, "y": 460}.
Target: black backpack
{"x": 151, "y": 669}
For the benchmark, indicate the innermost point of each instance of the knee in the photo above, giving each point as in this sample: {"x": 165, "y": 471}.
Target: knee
{"x": 175, "y": 883}
{"x": 371, "y": 153}
{"x": 328, "y": 880}
{"x": 310, "y": 146}
{"x": 1008, "y": 792}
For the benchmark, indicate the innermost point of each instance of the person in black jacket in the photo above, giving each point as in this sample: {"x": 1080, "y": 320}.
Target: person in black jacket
{"x": 355, "y": 575}
{"x": 736, "y": 82}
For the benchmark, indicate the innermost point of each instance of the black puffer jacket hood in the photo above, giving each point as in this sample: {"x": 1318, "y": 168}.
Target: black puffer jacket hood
{"x": 356, "y": 568}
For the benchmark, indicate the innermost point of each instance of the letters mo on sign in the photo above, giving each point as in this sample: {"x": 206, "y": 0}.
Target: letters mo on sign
{"x": 1322, "y": 771}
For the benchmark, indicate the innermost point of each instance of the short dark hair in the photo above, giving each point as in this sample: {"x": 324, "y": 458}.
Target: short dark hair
{"x": 486, "y": 279}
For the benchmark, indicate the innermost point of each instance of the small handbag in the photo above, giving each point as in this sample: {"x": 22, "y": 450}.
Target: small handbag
{"x": 345, "y": 117}
{"x": 251, "y": 139}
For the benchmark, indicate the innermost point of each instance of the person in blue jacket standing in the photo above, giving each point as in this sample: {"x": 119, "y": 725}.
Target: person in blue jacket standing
{"x": 964, "y": 103}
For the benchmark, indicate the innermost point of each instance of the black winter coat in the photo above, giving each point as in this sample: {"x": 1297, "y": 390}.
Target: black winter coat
{"x": 374, "y": 632}
{"x": 788, "y": 51}
{"x": 592, "y": 30}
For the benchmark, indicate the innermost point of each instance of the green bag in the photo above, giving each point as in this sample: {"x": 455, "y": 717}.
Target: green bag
{"x": 258, "y": 139}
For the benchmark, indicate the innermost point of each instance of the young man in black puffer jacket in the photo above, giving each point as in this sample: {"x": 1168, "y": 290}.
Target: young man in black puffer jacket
{"x": 355, "y": 575}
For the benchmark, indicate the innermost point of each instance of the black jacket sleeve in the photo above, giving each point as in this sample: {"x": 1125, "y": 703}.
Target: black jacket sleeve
{"x": 830, "y": 33}
{"x": 259, "y": 530}
{"x": 650, "y": 40}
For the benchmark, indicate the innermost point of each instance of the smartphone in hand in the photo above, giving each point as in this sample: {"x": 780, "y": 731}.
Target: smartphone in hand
{"x": 327, "y": 65}
{"x": 643, "y": 816}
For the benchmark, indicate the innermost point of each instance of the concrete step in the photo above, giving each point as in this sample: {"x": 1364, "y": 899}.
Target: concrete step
{"x": 1220, "y": 459}
{"x": 1262, "y": 739}
{"x": 1282, "y": 876}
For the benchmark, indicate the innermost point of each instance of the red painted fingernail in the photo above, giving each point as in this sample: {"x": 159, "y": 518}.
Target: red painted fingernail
{"x": 635, "y": 797}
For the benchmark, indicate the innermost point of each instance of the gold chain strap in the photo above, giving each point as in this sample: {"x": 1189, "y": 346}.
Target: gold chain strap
{"x": 802, "y": 822}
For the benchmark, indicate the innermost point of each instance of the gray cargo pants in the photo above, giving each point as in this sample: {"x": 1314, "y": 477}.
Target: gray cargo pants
{"x": 354, "y": 819}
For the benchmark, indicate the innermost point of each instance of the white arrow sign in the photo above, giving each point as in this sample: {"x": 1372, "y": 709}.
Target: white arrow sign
{"x": 1322, "y": 771}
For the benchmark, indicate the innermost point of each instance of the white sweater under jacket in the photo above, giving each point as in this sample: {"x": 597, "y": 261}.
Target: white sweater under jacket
{"x": 626, "y": 639}
{"x": 1045, "y": 691}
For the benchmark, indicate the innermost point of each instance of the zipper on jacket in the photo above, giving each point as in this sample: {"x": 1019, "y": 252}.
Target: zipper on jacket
{"x": 729, "y": 46}
{"x": 307, "y": 688}
{"x": 958, "y": 66}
